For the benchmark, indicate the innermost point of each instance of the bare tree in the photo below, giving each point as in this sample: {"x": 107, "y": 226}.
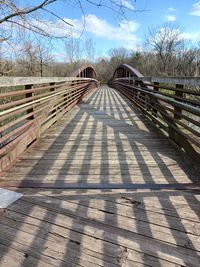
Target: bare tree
{"x": 118, "y": 56}
{"x": 187, "y": 61}
{"x": 43, "y": 56}
{"x": 165, "y": 41}
{"x": 72, "y": 50}
{"x": 12, "y": 15}
{"x": 28, "y": 59}
{"x": 15, "y": 15}
{"x": 103, "y": 69}
{"x": 6, "y": 65}
{"x": 10, "y": 9}
{"x": 89, "y": 49}
{"x": 19, "y": 18}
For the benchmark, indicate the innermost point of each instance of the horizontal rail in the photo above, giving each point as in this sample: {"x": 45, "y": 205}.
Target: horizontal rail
{"x": 21, "y": 81}
{"x": 188, "y": 81}
{"x": 27, "y": 111}
{"x": 145, "y": 81}
{"x": 175, "y": 110}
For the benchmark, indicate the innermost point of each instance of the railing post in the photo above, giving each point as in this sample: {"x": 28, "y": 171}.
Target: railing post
{"x": 156, "y": 86}
{"x": 52, "y": 90}
{"x": 30, "y": 110}
{"x": 156, "y": 89}
{"x": 141, "y": 99}
{"x": 178, "y": 110}
{"x": 136, "y": 92}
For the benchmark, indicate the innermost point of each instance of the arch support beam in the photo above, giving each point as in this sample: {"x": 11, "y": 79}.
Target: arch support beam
{"x": 125, "y": 71}
{"x": 85, "y": 71}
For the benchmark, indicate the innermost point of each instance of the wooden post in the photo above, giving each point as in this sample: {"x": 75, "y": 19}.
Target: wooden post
{"x": 131, "y": 79}
{"x": 30, "y": 110}
{"x": 156, "y": 86}
{"x": 156, "y": 89}
{"x": 136, "y": 92}
{"x": 140, "y": 96}
{"x": 178, "y": 110}
{"x": 52, "y": 90}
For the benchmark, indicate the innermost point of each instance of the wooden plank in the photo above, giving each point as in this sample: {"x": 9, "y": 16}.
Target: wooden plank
{"x": 102, "y": 140}
{"x": 139, "y": 211}
{"x": 150, "y": 246}
{"x": 122, "y": 222}
{"x": 96, "y": 186}
{"x": 90, "y": 246}
{"x": 114, "y": 253}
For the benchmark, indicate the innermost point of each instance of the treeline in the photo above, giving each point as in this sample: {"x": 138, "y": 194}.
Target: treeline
{"x": 166, "y": 53}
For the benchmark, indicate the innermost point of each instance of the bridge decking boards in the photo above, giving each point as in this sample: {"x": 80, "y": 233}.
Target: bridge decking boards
{"x": 102, "y": 140}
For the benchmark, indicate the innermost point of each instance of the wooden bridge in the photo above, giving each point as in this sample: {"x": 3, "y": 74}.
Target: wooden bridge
{"x": 109, "y": 174}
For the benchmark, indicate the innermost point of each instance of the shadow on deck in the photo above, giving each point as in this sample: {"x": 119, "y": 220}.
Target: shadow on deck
{"x": 102, "y": 140}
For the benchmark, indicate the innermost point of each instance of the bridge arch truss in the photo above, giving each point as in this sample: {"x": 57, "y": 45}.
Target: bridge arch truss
{"x": 85, "y": 71}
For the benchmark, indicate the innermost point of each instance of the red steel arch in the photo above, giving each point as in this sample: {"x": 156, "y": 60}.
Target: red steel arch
{"x": 125, "y": 71}
{"x": 85, "y": 71}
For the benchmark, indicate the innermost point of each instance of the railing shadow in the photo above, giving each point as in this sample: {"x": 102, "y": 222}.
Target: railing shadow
{"x": 86, "y": 228}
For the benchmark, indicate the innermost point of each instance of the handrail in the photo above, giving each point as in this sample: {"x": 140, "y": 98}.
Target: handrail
{"x": 26, "y": 112}
{"x": 155, "y": 84}
{"x": 175, "y": 110}
{"x": 22, "y": 81}
{"x": 188, "y": 81}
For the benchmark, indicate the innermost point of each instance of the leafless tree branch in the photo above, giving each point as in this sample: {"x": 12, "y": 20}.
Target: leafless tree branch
{"x": 25, "y": 11}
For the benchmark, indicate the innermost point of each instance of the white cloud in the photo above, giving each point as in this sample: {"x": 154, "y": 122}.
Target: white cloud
{"x": 127, "y": 4}
{"x": 122, "y": 34}
{"x": 171, "y": 18}
{"x": 100, "y": 27}
{"x": 169, "y": 14}
{"x": 192, "y": 36}
{"x": 171, "y": 9}
{"x": 195, "y": 11}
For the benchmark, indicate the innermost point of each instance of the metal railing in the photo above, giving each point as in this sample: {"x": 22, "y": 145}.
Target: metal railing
{"x": 175, "y": 110}
{"x": 30, "y": 108}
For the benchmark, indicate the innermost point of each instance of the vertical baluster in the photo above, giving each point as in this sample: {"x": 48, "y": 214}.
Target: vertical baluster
{"x": 178, "y": 110}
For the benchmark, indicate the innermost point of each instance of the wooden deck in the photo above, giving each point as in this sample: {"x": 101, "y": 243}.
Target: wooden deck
{"x": 102, "y": 140}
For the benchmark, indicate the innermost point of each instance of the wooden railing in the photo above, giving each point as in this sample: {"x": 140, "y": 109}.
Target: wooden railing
{"x": 174, "y": 109}
{"x": 29, "y": 108}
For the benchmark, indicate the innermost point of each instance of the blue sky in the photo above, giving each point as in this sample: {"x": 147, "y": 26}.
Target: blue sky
{"x": 108, "y": 29}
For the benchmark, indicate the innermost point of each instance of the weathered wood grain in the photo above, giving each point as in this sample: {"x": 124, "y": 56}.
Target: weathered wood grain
{"x": 101, "y": 140}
